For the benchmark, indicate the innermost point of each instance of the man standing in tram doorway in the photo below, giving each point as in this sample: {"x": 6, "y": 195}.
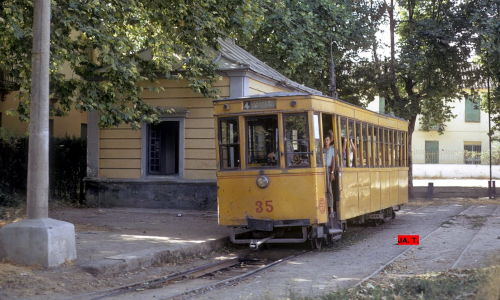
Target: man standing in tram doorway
{"x": 329, "y": 153}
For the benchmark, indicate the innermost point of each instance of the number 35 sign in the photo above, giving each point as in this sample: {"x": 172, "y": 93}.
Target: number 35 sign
{"x": 267, "y": 205}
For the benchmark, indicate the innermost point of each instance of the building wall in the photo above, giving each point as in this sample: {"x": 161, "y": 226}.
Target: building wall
{"x": 257, "y": 87}
{"x": 451, "y": 143}
{"x": 457, "y": 133}
{"x": 120, "y": 148}
{"x": 69, "y": 125}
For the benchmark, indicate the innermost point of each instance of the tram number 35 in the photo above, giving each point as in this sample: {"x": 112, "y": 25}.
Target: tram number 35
{"x": 267, "y": 205}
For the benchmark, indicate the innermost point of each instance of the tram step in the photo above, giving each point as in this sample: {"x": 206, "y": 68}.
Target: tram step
{"x": 334, "y": 231}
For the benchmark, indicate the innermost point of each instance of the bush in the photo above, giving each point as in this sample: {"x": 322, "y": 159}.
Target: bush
{"x": 67, "y": 161}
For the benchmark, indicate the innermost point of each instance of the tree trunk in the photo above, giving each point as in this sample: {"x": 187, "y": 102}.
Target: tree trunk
{"x": 38, "y": 153}
{"x": 333, "y": 77}
{"x": 411, "y": 128}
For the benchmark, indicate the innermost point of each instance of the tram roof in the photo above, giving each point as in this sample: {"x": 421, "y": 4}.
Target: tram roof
{"x": 292, "y": 94}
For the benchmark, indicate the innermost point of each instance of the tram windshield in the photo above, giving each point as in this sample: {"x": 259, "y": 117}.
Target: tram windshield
{"x": 262, "y": 141}
{"x": 296, "y": 140}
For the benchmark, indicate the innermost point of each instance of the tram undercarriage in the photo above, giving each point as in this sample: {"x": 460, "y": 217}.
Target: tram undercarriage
{"x": 259, "y": 232}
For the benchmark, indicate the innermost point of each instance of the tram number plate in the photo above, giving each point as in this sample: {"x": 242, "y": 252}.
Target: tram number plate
{"x": 267, "y": 205}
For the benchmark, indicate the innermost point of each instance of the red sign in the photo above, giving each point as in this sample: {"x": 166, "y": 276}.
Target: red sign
{"x": 404, "y": 240}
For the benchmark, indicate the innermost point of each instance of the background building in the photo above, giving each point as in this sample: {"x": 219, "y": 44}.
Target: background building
{"x": 461, "y": 151}
{"x": 172, "y": 164}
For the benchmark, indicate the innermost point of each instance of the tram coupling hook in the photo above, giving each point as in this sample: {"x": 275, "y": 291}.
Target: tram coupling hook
{"x": 255, "y": 244}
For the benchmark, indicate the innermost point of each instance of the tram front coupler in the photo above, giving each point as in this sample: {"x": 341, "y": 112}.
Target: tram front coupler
{"x": 255, "y": 244}
{"x": 237, "y": 236}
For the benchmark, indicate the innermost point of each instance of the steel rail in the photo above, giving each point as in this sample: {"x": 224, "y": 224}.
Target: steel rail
{"x": 232, "y": 280}
{"x": 194, "y": 272}
{"x": 471, "y": 242}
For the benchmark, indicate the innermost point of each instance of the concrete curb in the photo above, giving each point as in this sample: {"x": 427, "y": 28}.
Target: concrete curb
{"x": 452, "y": 192}
{"x": 149, "y": 257}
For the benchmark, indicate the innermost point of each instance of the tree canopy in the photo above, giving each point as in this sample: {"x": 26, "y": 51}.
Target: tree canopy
{"x": 112, "y": 45}
{"x": 297, "y": 38}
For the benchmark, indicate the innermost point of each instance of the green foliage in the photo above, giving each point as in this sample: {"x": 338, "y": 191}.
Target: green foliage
{"x": 67, "y": 169}
{"x": 113, "y": 45}
{"x": 295, "y": 38}
{"x": 427, "y": 74}
{"x": 484, "y": 16}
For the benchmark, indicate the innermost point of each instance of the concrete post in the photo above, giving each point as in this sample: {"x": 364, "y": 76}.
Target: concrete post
{"x": 430, "y": 190}
{"x": 38, "y": 162}
{"x": 39, "y": 240}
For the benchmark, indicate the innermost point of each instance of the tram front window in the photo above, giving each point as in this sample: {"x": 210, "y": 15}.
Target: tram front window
{"x": 228, "y": 142}
{"x": 262, "y": 142}
{"x": 296, "y": 141}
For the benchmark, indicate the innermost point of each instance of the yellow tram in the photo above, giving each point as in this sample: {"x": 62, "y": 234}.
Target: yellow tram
{"x": 272, "y": 184}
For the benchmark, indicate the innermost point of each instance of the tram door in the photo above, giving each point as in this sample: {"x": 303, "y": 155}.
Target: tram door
{"x": 333, "y": 188}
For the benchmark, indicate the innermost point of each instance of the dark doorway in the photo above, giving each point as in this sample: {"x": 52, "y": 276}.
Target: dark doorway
{"x": 163, "y": 148}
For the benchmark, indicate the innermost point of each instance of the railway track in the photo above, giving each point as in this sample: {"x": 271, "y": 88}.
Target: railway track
{"x": 230, "y": 271}
{"x": 453, "y": 265}
{"x": 218, "y": 274}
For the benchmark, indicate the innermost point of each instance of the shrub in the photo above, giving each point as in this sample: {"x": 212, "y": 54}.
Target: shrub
{"x": 67, "y": 167}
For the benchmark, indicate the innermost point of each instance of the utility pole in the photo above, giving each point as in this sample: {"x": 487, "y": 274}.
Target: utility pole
{"x": 333, "y": 77}
{"x": 491, "y": 183}
{"x": 38, "y": 151}
{"x": 38, "y": 239}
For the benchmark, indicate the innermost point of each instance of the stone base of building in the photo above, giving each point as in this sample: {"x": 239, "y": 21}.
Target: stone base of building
{"x": 146, "y": 193}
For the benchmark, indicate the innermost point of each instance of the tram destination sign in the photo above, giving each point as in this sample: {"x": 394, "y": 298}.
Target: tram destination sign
{"x": 259, "y": 104}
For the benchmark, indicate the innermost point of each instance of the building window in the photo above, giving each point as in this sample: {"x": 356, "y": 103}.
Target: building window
{"x": 83, "y": 131}
{"x": 431, "y": 152}
{"x": 163, "y": 148}
{"x": 472, "y": 110}
{"x": 472, "y": 153}
{"x": 381, "y": 105}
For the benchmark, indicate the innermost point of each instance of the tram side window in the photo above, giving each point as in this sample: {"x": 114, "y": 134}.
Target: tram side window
{"x": 385, "y": 140}
{"x": 229, "y": 146}
{"x": 398, "y": 149}
{"x": 405, "y": 149}
{"x": 375, "y": 153}
{"x": 262, "y": 143}
{"x": 359, "y": 146}
{"x": 389, "y": 148}
{"x": 343, "y": 141}
{"x": 296, "y": 140}
{"x": 366, "y": 147}
{"x": 351, "y": 147}
{"x": 393, "y": 148}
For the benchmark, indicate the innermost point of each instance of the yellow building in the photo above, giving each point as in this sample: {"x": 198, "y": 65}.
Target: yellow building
{"x": 74, "y": 124}
{"x": 173, "y": 163}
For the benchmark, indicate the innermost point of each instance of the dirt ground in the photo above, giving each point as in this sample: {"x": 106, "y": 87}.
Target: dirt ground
{"x": 457, "y": 234}
{"x": 20, "y": 282}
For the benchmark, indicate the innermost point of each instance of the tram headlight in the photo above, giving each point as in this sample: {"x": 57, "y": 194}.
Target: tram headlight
{"x": 262, "y": 181}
